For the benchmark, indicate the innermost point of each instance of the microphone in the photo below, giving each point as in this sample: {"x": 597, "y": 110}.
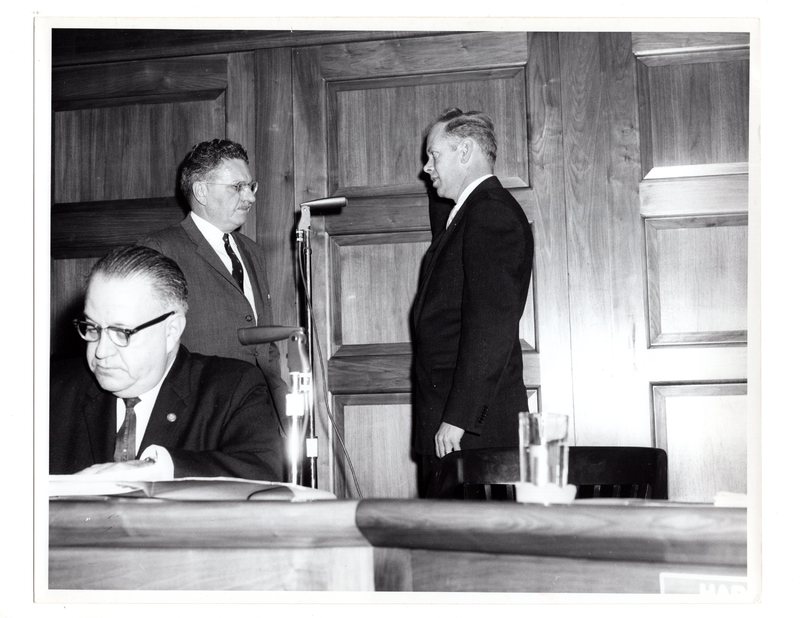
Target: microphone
{"x": 298, "y": 359}
{"x": 326, "y": 203}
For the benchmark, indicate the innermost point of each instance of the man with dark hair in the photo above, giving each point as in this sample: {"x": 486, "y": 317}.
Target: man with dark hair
{"x": 142, "y": 406}
{"x": 467, "y": 374}
{"x": 226, "y": 271}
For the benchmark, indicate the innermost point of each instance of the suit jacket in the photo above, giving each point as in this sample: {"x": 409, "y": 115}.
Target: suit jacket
{"x": 473, "y": 286}
{"x": 212, "y": 414}
{"x": 217, "y": 307}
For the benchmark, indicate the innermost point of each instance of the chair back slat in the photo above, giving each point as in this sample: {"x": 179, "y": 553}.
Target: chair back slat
{"x": 597, "y": 472}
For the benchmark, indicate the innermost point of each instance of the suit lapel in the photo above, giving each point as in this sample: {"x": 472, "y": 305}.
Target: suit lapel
{"x": 100, "y": 416}
{"x": 435, "y": 250}
{"x": 206, "y": 252}
{"x": 259, "y": 292}
{"x": 170, "y": 412}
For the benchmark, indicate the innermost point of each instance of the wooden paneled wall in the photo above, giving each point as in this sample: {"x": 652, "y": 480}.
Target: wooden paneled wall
{"x": 628, "y": 153}
{"x": 693, "y": 92}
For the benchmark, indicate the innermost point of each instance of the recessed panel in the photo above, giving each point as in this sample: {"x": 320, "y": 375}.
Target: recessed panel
{"x": 378, "y": 126}
{"x": 127, "y": 151}
{"x": 376, "y": 285}
{"x": 703, "y": 429}
{"x": 699, "y": 113}
{"x": 697, "y": 279}
{"x": 378, "y": 438}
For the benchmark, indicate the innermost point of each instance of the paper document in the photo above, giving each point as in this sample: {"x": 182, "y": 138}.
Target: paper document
{"x": 190, "y": 488}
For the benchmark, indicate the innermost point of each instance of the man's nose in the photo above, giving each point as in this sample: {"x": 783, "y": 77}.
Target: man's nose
{"x": 104, "y": 347}
{"x": 427, "y": 168}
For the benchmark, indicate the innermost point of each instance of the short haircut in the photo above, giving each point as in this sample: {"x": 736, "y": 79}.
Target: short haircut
{"x": 204, "y": 158}
{"x": 166, "y": 277}
{"x": 477, "y": 125}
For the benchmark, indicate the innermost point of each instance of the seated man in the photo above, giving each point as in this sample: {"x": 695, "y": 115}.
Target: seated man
{"x": 144, "y": 407}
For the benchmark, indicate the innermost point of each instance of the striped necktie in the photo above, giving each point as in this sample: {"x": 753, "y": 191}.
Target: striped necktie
{"x": 236, "y": 265}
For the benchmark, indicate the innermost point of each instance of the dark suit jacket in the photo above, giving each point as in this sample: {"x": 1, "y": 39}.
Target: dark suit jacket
{"x": 465, "y": 319}
{"x": 224, "y": 424}
{"x": 217, "y": 307}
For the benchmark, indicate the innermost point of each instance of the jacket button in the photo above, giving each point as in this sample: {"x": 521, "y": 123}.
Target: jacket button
{"x": 249, "y": 318}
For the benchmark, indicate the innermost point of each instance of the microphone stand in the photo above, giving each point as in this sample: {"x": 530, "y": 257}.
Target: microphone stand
{"x": 300, "y": 398}
{"x": 303, "y": 242}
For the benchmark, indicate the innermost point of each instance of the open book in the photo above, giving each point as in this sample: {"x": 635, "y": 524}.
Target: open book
{"x": 190, "y": 488}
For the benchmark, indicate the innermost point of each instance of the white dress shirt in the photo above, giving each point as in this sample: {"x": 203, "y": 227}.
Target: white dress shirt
{"x": 163, "y": 468}
{"x": 213, "y": 236}
{"x": 464, "y": 195}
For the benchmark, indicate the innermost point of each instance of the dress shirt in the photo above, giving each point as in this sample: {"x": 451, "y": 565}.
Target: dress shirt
{"x": 464, "y": 195}
{"x": 213, "y": 236}
{"x": 165, "y": 469}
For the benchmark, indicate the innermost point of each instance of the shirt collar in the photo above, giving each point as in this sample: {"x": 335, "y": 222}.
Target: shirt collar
{"x": 209, "y": 231}
{"x": 463, "y": 197}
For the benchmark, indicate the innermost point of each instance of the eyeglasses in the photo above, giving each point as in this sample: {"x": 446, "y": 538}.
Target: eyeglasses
{"x": 120, "y": 337}
{"x": 238, "y": 186}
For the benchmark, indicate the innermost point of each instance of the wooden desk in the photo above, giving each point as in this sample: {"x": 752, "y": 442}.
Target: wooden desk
{"x": 582, "y": 547}
{"x": 388, "y": 545}
{"x": 144, "y": 544}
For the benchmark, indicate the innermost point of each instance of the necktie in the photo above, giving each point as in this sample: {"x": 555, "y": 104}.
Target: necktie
{"x": 237, "y": 272}
{"x": 125, "y": 447}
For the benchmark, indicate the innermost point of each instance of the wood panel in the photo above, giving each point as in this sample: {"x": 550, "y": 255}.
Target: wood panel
{"x": 549, "y": 216}
{"x": 339, "y": 569}
{"x": 364, "y": 107}
{"x": 128, "y": 152}
{"x": 659, "y": 48}
{"x": 707, "y": 194}
{"x": 374, "y": 281}
{"x": 372, "y": 426}
{"x": 87, "y": 45}
{"x": 703, "y": 427}
{"x": 697, "y": 279}
{"x": 67, "y": 279}
{"x": 670, "y": 533}
{"x": 699, "y": 113}
{"x": 137, "y": 544}
{"x": 181, "y": 79}
{"x": 376, "y": 126}
{"x": 274, "y": 168}
{"x": 606, "y": 286}
{"x": 431, "y": 54}
{"x": 435, "y": 571}
{"x": 113, "y": 223}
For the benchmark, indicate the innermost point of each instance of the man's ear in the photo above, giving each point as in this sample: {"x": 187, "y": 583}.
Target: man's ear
{"x": 466, "y": 149}
{"x": 175, "y": 327}
{"x": 200, "y": 191}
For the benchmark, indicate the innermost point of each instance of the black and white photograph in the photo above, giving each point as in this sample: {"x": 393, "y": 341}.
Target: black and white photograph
{"x": 398, "y": 312}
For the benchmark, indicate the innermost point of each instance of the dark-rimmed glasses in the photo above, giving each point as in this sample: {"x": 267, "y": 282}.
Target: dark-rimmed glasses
{"x": 120, "y": 337}
{"x": 238, "y": 186}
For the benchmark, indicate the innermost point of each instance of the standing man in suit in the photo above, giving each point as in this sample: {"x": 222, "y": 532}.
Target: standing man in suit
{"x": 143, "y": 407}
{"x": 467, "y": 371}
{"x": 226, "y": 271}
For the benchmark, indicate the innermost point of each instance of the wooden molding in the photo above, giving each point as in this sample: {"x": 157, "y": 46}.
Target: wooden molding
{"x": 74, "y": 46}
{"x": 688, "y": 196}
{"x": 654, "y": 293}
{"x": 91, "y": 229}
{"x": 663, "y": 48}
{"x": 173, "y": 79}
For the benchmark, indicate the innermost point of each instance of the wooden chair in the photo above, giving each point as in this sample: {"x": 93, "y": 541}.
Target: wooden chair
{"x": 597, "y": 471}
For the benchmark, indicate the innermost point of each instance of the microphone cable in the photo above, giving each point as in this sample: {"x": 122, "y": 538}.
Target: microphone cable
{"x": 316, "y": 344}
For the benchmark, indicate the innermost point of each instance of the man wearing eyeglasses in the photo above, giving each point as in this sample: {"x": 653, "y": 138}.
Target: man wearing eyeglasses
{"x": 143, "y": 407}
{"x": 226, "y": 271}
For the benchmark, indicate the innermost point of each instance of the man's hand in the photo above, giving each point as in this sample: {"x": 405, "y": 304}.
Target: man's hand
{"x": 448, "y": 439}
{"x": 137, "y": 470}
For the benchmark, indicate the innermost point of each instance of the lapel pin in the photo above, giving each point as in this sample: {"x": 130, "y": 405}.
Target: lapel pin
{"x": 171, "y": 417}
